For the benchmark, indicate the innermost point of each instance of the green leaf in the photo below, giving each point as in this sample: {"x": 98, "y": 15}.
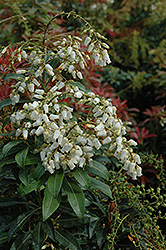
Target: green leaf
{"x": 67, "y": 221}
{"x": 93, "y": 225}
{"x": 102, "y": 159}
{"x": 38, "y": 236}
{"x": 12, "y": 201}
{"x": 39, "y": 171}
{"x": 82, "y": 177}
{"x": 6, "y": 161}
{"x": 98, "y": 185}
{"x": 22, "y": 241}
{"x": 67, "y": 239}
{"x": 19, "y": 222}
{"x": 98, "y": 169}
{"x": 32, "y": 185}
{"x": 79, "y": 85}
{"x": 21, "y": 157}
{"x": 24, "y": 177}
{"x": 101, "y": 234}
{"x": 5, "y": 102}
{"x": 55, "y": 182}
{"x": 32, "y": 159}
{"x": 48, "y": 228}
{"x": 3, "y": 237}
{"x": 75, "y": 195}
{"x": 50, "y": 204}
{"x": 38, "y": 141}
{"x": 14, "y": 76}
{"x": 10, "y": 145}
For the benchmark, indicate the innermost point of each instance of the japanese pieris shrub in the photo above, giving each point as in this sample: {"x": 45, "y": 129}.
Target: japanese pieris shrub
{"x": 52, "y": 145}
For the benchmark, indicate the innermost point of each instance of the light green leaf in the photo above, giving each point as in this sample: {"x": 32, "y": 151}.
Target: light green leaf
{"x": 75, "y": 195}
{"x": 82, "y": 177}
{"x": 67, "y": 239}
{"x": 55, "y": 183}
{"x": 98, "y": 185}
{"x": 98, "y": 169}
{"x": 50, "y": 204}
{"x": 21, "y": 157}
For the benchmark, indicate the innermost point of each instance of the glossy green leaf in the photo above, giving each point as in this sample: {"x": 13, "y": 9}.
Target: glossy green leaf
{"x": 24, "y": 177}
{"x": 98, "y": 169}
{"x": 20, "y": 221}
{"x": 50, "y": 204}
{"x": 75, "y": 195}
{"x": 21, "y": 157}
{"x": 82, "y": 177}
{"x": 48, "y": 228}
{"x": 10, "y": 145}
{"x": 98, "y": 185}
{"x": 55, "y": 182}
{"x": 32, "y": 185}
{"x": 39, "y": 171}
{"x": 5, "y": 102}
{"x": 38, "y": 236}
{"x": 67, "y": 239}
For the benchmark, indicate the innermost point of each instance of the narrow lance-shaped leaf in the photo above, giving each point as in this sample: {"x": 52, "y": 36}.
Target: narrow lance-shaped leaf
{"x": 98, "y": 185}
{"x": 75, "y": 195}
{"x": 55, "y": 182}
{"x": 9, "y": 146}
{"x": 48, "y": 228}
{"x": 50, "y": 204}
{"x": 38, "y": 236}
{"x": 20, "y": 221}
{"x": 22, "y": 241}
{"x": 82, "y": 177}
{"x": 98, "y": 169}
{"x": 67, "y": 239}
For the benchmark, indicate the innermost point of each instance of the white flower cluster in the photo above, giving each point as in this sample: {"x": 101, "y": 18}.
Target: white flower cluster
{"x": 70, "y": 143}
{"x": 71, "y": 58}
{"x": 70, "y": 54}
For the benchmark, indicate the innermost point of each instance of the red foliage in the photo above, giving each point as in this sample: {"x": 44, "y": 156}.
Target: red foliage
{"x": 155, "y": 113}
{"x": 141, "y": 134}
